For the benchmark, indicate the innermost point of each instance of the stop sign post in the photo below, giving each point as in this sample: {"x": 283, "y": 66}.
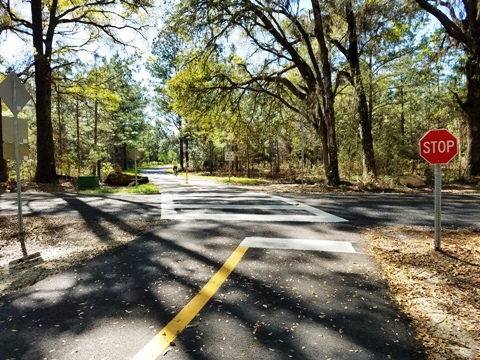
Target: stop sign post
{"x": 438, "y": 147}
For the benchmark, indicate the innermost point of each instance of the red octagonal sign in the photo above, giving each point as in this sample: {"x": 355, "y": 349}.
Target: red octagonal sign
{"x": 438, "y": 146}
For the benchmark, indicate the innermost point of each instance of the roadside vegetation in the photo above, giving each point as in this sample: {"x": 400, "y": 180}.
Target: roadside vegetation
{"x": 139, "y": 189}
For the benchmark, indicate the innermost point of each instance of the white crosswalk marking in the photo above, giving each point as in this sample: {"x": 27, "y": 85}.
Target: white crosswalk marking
{"x": 298, "y": 244}
{"x": 238, "y": 206}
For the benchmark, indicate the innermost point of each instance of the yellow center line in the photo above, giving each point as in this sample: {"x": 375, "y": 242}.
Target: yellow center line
{"x": 162, "y": 340}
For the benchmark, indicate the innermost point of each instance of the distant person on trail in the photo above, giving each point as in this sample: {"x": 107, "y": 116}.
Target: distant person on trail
{"x": 175, "y": 166}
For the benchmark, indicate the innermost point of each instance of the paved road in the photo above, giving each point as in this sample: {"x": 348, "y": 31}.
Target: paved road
{"x": 253, "y": 276}
{"x": 361, "y": 210}
{"x": 460, "y": 211}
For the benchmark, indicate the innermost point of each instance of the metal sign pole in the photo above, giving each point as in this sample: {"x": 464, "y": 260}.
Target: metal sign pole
{"x": 135, "y": 161}
{"x": 17, "y": 162}
{"x": 438, "y": 206}
{"x": 16, "y": 97}
{"x": 303, "y": 154}
{"x": 186, "y": 160}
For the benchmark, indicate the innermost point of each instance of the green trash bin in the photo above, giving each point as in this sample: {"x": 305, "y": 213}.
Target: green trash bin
{"x": 88, "y": 182}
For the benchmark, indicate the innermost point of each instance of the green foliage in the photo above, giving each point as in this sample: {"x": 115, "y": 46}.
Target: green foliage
{"x": 140, "y": 189}
{"x": 131, "y": 171}
{"x": 98, "y": 114}
{"x": 143, "y": 189}
{"x": 107, "y": 168}
{"x": 238, "y": 181}
{"x": 57, "y": 29}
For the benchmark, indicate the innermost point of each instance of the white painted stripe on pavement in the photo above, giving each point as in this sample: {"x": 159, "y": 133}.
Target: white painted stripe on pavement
{"x": 172, "y": 210}
{"x": 230, "y": 206}
{"x": 327, "y": 218}
{"x": 298, "y": 244}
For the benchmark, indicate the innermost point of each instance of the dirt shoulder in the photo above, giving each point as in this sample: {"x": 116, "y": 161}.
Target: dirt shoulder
{"x": 438, "y": 291}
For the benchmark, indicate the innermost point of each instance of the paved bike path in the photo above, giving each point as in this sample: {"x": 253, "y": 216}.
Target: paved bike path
{"x": 276, "y": 303}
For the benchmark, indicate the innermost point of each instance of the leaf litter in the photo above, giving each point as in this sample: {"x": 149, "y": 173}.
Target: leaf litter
{"x": 63, "y": 242}
{"x": 438, "y": 290}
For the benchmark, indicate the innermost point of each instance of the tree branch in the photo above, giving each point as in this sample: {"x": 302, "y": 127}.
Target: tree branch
{"x": 450, "y": 26}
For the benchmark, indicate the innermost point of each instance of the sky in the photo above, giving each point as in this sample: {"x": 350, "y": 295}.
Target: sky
{"x": 14, "y": 50}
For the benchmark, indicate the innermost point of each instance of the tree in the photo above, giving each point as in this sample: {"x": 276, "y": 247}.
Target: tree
{"x": 291, "y": 43}
{"x": 3, "y": 162}
{"x": 162, "y": 66}
{"x": 47, "y": 22}
{"x": 370, "y": 35}
{"x": 461, "y": 22}
{"x": 116, "y": 103}
{"x": 126, "y": 123}
{"x": 352, "y": 54}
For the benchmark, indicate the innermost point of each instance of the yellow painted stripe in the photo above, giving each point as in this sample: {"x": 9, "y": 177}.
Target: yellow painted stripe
{"x": 162, "y": 340}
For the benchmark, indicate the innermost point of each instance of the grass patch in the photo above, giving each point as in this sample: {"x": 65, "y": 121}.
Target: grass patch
{"x": 234, "y": 180}
{"x": 239, "y": 181}
{"x": 140, "y": 189}
{"x": 139, "y": 168}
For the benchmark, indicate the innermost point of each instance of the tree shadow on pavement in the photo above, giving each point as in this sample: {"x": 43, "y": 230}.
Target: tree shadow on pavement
{"x": 276, "y": 303}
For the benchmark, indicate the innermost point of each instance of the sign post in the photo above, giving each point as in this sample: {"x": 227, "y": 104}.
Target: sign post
{"x": 16, "y": 97}
{"x": 135, "y": 155}
{"x": 229, "y": 156}
{"x": 438, "y": 147}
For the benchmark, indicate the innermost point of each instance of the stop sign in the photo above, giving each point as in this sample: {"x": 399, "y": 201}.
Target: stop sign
{"x": 438, "y": 146}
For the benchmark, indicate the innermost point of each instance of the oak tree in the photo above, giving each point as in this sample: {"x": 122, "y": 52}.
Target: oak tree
{"x": 289, "y": 41}
{"x": 48, "y": 24}
{"x": 461, "y": 21}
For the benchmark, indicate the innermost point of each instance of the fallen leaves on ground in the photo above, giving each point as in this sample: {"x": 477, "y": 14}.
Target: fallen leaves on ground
{"x": 438, "y": 290}
{"x": 62, "y": 242}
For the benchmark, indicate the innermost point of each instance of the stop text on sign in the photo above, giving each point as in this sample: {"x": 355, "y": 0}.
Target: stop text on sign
{"x": 441, "y": 146}
{"x": 438, "y": 146}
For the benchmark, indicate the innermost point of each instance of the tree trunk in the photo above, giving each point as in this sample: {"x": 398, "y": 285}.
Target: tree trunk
{"x": 186, "y": 155}
{"x": 471, "y": 110}
{"x": 46, "y": 171}
{"x": 180, "y": 155}
{"x": 211, "y": 156}
{"x": 319, "y": 125}
{"x": 248, "y": 159}
{"x": 3, "y": 163}
{"x": 353, "y": 58}
{"x": 60, "y": 127}
{"x": 125, "y": 156}
{"x": 326, "y": 100}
